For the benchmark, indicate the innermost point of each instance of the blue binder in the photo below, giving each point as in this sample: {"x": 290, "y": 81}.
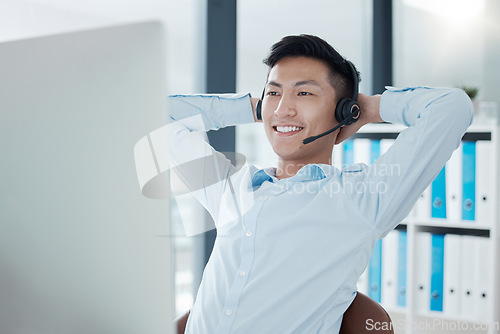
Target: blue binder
{"x": 469, "y": 180}
{"x": 374, "y": 150}
{"x": 348, "y": 154}
{"x": 437, "y": 271}
{"x": 375, "y": 272}
{"x": 375, "y": 267}
{"x": 402, "y": 250}
{"x": 438, "y": 197}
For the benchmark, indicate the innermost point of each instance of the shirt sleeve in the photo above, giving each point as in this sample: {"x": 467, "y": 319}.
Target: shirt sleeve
{"x": 203, "y": 170}
{"x": 436, "y": 118}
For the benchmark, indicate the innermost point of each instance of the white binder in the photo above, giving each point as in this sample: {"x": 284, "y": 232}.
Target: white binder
{"x": 338, "y": 151}
{"x": 484, "y": 186}
{"x": 451, "y": 284}
{"x": 483, "y": 272}
{"x": 363, "y": 282}
{"x": 390, "y": 269}
{"x": 423, "y": 249}
{"x": 362, "y": 150}
{"x": 454, "y": 187}
{"x": 385, "y": 144}
{"x": 422, "y": 207}
{"x": 468, "y": 303}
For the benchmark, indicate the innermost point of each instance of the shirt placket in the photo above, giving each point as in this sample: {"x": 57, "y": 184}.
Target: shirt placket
{"x": 247, "y": 257}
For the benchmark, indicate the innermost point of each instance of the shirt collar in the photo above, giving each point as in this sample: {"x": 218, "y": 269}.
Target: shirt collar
{"x": 311, "y": 172}
{"x": 262, "y": 175}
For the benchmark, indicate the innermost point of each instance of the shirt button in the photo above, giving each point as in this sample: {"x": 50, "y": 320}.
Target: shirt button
{"x": 229, "y": 312}
{"x": 249, "y": 233}
{"x": 242, "y": 273}
{"x": 261, "y": 199}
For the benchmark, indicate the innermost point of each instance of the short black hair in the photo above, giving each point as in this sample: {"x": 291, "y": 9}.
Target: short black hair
{"x": 340, "y": 75}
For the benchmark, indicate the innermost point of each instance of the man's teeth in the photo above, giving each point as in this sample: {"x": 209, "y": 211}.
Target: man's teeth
{"x": 285, "y": 129}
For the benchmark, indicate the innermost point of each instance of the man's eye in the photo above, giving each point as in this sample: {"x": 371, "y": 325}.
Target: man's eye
{"x": 304, "y": 93}
{"x": 272, "y": 93}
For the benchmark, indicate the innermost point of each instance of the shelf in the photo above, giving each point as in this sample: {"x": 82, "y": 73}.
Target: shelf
{"x": 482, "y": 127}
{"x": 409, "y": 320}
{"x": 388, "y": 128}
{"x": 381, "y": 127}
{"x": 447, "y": 224}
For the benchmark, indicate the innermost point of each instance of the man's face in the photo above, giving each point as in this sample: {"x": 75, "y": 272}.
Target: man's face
{"x": 299, "y": 102}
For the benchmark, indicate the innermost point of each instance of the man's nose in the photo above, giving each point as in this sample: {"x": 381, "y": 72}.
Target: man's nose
{"x": 286, "y": 107}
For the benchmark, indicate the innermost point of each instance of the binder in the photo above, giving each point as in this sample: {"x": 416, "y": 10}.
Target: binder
{"x": 452, "y": 263}
{"x": 348, "y": 154}
{"x": 485, "y": 188}
{"x": 363, "y": 282}
{"x": 454, "y": 186}
{"x": 422, "y": 207}
{"x": 438, "y": 202}
{"x": 385, "y": 144}
{"x": 375, "y": 272}
{"x": 338, "y": 155}
{"x": 362, "y": 150}
{"x": 402, "y": 268}
{"x": 467, "y": 300}
{"x": 437, "y": 271}
{"x": 390, "y": 254}
{"x": 469, "y": 180}
{"x": 422, "y": 271}
{"x": 483, "y": 274}
{"x": 374, "y": 150}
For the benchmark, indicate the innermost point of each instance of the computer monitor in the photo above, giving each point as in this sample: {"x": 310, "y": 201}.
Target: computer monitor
{"x": 81, "y": 250}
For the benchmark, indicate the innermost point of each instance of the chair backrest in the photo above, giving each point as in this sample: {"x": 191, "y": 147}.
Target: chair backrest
{"x": 365, "y": 315}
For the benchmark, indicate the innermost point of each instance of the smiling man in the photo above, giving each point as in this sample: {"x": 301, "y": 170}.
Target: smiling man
{"x": 292, "y": 240}
{"x": 299, "y": 100}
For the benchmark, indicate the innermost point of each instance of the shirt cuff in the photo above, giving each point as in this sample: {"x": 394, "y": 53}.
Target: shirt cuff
{"x": 394, "y": 105}
{"x": 248, "y": 115}
{"x": 235, "y": 109}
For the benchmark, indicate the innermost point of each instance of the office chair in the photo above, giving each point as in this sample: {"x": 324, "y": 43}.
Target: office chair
{"x": 365, "y": 316}
{"x": 355, "y": 320}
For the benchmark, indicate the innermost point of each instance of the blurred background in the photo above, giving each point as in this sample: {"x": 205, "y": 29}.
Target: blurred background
{"x": 218, "y": 46}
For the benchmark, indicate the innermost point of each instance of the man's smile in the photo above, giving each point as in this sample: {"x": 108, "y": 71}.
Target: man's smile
{"x": 286, "y": 130}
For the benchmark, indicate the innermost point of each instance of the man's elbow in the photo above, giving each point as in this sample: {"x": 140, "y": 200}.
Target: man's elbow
{"x": 462, "y": 110}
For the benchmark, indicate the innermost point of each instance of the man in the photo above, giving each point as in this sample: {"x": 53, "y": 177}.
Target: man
{"x": 293, "y": 240}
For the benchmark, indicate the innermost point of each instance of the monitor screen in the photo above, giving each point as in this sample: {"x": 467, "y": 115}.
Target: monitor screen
{"x": 81, "y": 250}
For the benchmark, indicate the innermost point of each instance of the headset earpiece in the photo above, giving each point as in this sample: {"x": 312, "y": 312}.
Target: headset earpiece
{"x": 347, "y": 109}
{"x": 258, "y": 108}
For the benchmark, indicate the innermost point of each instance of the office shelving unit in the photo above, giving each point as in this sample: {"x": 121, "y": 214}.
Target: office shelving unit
{"x": 410, "y": 320}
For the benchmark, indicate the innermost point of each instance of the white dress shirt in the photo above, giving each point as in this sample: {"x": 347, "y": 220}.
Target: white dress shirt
{"x": 289, "y": 252}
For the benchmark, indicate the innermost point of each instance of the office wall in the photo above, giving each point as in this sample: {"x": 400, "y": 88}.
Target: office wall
{"x": 454, "y": 46}
{"x": 346, "y": 25}
{"x": 183, "y": 21}
{"x": 491, "y": 63}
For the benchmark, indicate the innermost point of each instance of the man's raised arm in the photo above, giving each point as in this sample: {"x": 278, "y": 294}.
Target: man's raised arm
{"x": 436, "y": 118}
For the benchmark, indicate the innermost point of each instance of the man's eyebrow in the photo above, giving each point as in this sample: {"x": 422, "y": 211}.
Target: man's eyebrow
{"x": 273, "y": 83}
{"x": 298, "y": 83}
{"x": 306, "y": 82}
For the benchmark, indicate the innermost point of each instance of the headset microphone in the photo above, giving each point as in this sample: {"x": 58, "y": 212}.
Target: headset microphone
{"x": 349, "y": 120}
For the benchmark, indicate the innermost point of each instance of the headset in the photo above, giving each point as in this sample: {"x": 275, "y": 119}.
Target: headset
{"x": 347, "y": 110}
